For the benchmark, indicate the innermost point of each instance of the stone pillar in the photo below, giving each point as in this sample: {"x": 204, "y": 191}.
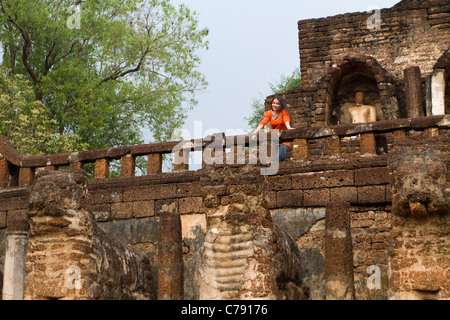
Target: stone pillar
{"x": 154, "y": 163}
{"x": 170, "y": 257}
{"x": 333, "y": 146}
{"x": 4, "y": 172}
{"x": 26, "y": 177}
{"x": 413, "y": 92}
{"x": 301, "y": 149}
{"x": 101, "y": 170}
{"x": 367, "y": 144}
{"x": 128, "y": 166}
{"x": 399, "y": 134}
{"x": 15, "y": 256}
{"x": 438, "y": 93}
{"x": 77, "y": 165}
{"x": 339, "y": 279}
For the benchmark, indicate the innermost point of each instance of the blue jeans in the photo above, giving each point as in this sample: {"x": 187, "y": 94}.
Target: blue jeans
{"x": 281, "y": 152}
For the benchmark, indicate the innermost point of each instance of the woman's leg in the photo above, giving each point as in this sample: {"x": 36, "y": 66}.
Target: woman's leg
{"x": 281, "y": 152}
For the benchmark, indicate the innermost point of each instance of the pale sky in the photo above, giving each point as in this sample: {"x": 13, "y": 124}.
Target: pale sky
{"x": 251, "y": 44}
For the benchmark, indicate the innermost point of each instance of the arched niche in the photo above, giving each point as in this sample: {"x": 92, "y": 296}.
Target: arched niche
{"x": 353, "y": 74}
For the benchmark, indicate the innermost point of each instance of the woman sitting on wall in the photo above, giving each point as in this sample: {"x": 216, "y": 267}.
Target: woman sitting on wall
{"x": 280, "y": 119}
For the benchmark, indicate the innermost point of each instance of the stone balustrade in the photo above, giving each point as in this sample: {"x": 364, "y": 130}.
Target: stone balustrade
{"x": 307, "y": 144}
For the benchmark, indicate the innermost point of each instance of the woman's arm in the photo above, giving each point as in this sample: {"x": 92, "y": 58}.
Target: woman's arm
{"x": 288, "y": 125}
{"x": 258, "y": 129}
{"x": 266, "y": 120}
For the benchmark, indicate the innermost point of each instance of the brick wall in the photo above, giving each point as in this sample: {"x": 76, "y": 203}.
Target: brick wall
{"x": 340, "y": 54}
{"x": 409, "y": 34}
{"x": 366, "y": 187}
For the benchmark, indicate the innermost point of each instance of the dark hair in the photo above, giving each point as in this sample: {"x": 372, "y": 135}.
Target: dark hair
{"x": 283, "y": 105}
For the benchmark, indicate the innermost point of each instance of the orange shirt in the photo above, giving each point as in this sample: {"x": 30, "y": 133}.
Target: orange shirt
{"x": 279, "y": 123}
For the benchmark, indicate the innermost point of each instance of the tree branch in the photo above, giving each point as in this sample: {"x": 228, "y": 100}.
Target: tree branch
{"x": 119, "y": 74}
{"x": 25, "y": 52}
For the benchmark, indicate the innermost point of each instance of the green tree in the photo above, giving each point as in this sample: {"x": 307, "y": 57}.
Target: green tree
{"x": 105, "y": 69}
{"x": 285, "y": 83}
{"x": 26, "y": 122}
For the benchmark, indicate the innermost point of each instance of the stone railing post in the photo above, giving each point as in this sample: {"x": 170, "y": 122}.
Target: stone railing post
{"x": 76, "y": 165}
{"x": 154, "y": 163}
{"x": 4, "y": 173}
{"x": 128, "y": 166}
{"x": 399, "y": 134}
{"x": 367, "y": 144}
{"x": 101, "y": 170}
{"x": 26, "y": 176}
{"x": 300, "y": 149}
{"x": 333, "y": 146}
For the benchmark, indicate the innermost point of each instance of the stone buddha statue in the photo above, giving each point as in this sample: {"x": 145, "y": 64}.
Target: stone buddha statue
{"x": 362, "y": 113}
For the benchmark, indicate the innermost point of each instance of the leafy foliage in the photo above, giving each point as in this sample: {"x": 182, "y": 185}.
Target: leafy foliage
{"x": 106, "y": 71}
{"x": 26, "y": 121}
{"x": 284, "y": 84}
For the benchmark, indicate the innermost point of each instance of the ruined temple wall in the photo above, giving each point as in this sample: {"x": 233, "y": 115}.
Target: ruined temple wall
{"x": 128, "y": 209}
{"x": 408, "y": 34}
{"x": 298, "y": 203}
{"x": 12, "y": 202}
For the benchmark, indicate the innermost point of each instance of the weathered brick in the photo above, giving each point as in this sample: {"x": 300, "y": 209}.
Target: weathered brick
{"x": 300, "y": 149}
{"x": 348, "y": 194}
{"x": 316, "y": 197}
{"x": 371, "y": 176}
{"x": 291, "y": 198}
{"x": 160, "y": 191}
{"x": 143, "y": 208}
{"x": 191, "y": 189}
{"x": 101, "y": 211}
{"x": 276, "y": 183}
{"x": 106, "y": 196}
{"x": 190, "y": 205}
{"x": 120, "y": 210}
{"x": 170, "y": 205}
{"x": 372, "y": 194}
{"x": 4, "y": 172}
{"x": 26, "y": 177}
{"x": 323, "y": 179}
{"x": 101, "y": 170}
